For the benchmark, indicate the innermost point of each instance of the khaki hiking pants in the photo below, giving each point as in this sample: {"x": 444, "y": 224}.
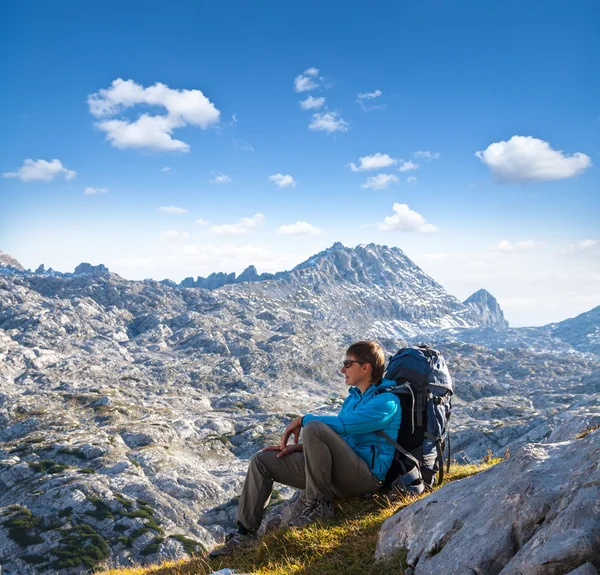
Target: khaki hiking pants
{"x": 326, "y": 467}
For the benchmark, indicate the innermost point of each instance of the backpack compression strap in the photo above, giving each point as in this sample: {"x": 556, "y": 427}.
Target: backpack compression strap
{"x": 399, "y": 448}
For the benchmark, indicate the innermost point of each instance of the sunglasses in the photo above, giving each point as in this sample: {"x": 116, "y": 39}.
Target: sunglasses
{"x": 348, "y": 362}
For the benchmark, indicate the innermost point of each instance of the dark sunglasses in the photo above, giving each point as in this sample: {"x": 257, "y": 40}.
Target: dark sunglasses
{"x": 348, "y": 362}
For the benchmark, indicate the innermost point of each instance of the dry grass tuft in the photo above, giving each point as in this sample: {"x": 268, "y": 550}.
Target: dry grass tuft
{"x": 345, "y": 545}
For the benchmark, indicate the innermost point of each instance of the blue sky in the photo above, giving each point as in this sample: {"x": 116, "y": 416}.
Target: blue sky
{"x": 415, "y": 89}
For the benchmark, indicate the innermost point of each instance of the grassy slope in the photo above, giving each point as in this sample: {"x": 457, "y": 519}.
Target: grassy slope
{"x": 343, "y": 546}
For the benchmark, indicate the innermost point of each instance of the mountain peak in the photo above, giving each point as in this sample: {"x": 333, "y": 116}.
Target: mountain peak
{"x": 485, "y": 305}
{"x": 9, "y": 261}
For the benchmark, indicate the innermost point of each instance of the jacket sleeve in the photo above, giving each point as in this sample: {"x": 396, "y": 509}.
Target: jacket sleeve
{"x": 370, "y": 416}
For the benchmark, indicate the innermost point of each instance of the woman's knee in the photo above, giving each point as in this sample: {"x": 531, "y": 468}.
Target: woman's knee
{"x": 314, "y": 428}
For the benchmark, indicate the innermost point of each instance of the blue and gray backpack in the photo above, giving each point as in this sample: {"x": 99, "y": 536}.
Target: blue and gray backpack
{"x": 424, "y": 387}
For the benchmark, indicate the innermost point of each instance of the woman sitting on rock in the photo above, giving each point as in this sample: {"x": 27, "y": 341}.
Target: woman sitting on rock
{"x": 339, "y": 455}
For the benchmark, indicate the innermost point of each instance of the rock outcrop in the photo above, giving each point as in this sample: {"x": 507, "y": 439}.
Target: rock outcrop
{"x": 10, "y": 262}
{"x": 536, "y": 513}
{"x": 85, "y": 268}
{"x": 485, "y": 305}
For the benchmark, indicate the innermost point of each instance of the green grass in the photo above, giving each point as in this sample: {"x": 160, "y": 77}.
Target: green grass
{"x": 345, "y": 545}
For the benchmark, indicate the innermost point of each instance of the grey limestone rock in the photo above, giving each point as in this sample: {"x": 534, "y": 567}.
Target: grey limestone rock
{"x": 587, "y": 569}
{"x": 537, "y": 513}
{"x": 85, "y": 268}
{"x": 488, "y": 309}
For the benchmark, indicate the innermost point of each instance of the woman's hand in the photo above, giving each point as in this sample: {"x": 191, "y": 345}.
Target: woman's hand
{"x": 291, "y": 448}
{"x": 292, "y": 428}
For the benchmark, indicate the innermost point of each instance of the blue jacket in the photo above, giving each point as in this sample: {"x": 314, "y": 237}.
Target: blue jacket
{"x": 361, "y": 415}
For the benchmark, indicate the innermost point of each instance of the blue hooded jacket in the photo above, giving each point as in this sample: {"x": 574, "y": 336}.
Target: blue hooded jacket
{"x": 361, "y": 415}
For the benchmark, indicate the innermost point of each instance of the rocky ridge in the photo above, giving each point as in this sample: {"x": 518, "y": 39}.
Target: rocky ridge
{"x": 539, "y": 512}
{"x": 130, "y": 408}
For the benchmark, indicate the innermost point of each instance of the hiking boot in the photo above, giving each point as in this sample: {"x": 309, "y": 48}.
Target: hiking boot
{"x": 313, "y": 511}
{"x": 233, "y": 542}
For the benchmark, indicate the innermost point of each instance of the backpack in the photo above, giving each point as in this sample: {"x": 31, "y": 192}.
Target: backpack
{"x": 424, "y": 388}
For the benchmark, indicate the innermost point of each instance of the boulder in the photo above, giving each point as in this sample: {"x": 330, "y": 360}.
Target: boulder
{"x": 537, "y": 513}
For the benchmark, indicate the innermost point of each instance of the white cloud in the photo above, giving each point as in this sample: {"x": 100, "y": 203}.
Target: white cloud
{"x": 283, "y": 181}
{"x": 362, "y": 98}
{"x": 522, "y": 245}
{"x": 405, "y": 220}
{"x": 299, "y": 229}
{"x": 171, "y": 210}
{"x": 306, "y": 81}
{"x": 527, "y": 159}
{"x": 41, "y": 171}
{"x": 584, "y": 245}
{"x": 240, "y": 228}
{"x": 174, "y": 237}
{"x": 406, "y": 166}
{"x": 166, "y": 169}
{"x": 328, "y": 122}
{"x": 411, "y": 179}
{"x": 370, "y": 95}
{"x": 89, "y": 191}
{"x": 425, "y": 155}
{"x": 202, "y": 222}
{"x": 374, "y": 162}
{"x": 221, "y": 179}
{"x": 380, "y": 181}
{"x": 183, "y": 107}
{"x": 312, "y": 103}
{"x": 151, "y": 132}
{"x": 434, "y": 256}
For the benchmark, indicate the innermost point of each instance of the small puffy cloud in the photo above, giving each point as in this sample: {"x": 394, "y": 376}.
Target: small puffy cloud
{"x": 221, "y": 179}
{"x": 41, "y": 171}
{"x": 183, "y": 108}
{"x": 374, "y": 162}
{"x": 299, "y": 229}
{"x": 380, "y": 181}
{"x": 411, "y": 179}
{"x": 240, "y": 228}
{"x": 174, "y": 237}
{"x": 306, "y": 81}
{"x": 328, "y": 122}
{"x": 523, "y": 245}
{"x": 166, "y": 169}
{"x": 151, "y": 132}
{"x": 370, "y": 95}
{"x": 171, "y": 210}
{"x": 406, "y": 220}
{"x": 527, "y": 159}
{"x": 89, "y": 191}
{"x": 425, "y": 155}
{"x": 584, "y": 245}
{"x": 406, "y": 166}
{"x": 202, "y": 223}
{"x": 312, "y": 103}
{"x": 283, "y": 181}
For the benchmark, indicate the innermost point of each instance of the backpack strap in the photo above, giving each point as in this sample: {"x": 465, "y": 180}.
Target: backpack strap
{"x": 440, "y": 455}
{"x": 399, "y": 448}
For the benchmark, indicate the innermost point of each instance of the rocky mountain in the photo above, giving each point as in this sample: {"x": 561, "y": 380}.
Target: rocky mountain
{"x": 486, "y": 306}
{"x": 10, "y": 262}
{"x": 128, "y": 409}
{"x": 217, "y": 280}
{"x": 582, "y": 332}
